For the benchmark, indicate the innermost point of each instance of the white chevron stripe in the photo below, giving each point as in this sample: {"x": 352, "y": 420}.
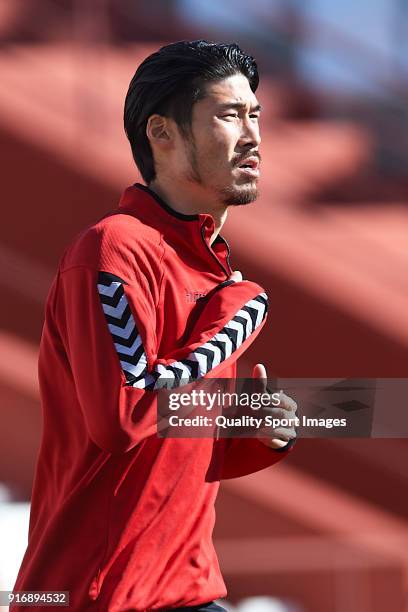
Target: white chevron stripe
{"x": 123, "y": 332}
{"x": 167, "y": 377}
{"x": 202, "y": 363}
{"x": 186, "y": 370}
{"x": 223, "y": 337}
{"x": 136, "y": 370}
{"x": 129, "y": 350}
{"x": 164, "y": 373}
{"x": 260, "y": 308}
{"x": 144, "y": 382}
{"x": 162, "y": 370}
{"x": 256, "y": 304}
{"x": 111, "y": 290}
{"x": 245, "y": 315}
{"x": 116, "y": 311}
{"x": 239, "y": 328}
{"x": 217, "y": 353}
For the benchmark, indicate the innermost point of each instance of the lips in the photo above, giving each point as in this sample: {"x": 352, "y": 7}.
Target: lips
{"x": 250, "y": 163}
{"x": 252, "y": 173}
{"x": 249, "y": 167}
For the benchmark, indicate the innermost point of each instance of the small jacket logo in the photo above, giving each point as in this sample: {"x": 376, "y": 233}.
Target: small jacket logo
{"x": 193, "y": 296}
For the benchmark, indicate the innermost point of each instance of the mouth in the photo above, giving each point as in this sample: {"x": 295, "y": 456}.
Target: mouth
{"x": 249, "y": 167}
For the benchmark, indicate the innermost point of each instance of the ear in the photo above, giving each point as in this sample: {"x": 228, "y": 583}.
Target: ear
{"x": 158, "y": 131}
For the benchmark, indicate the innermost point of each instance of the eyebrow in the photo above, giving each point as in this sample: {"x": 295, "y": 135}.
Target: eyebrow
{"x": 239, "y": 106}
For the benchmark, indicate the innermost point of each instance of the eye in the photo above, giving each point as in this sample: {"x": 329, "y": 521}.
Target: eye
{"x": 254, "y": 116}
{"x": 231, "y": 115}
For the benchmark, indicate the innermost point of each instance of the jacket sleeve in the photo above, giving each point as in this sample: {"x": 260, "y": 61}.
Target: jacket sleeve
{"x": 109, "y": 326}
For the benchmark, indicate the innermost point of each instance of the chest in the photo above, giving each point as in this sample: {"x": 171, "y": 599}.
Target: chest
{"x": 187, "y": 280}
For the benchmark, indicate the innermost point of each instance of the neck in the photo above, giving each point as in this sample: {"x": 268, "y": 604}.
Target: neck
{"x": 190, "y": 203}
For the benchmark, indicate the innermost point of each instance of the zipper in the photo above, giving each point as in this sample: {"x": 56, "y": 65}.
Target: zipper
{"x": 228, "y": 253}
{"x": 213, "y": 254}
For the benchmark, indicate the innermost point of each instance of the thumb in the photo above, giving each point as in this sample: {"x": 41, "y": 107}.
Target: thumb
{"x": 236, "y": 276}
{"x": 259, "y": 373}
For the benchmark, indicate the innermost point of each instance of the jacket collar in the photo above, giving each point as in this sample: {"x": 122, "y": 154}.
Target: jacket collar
{"x": 193, "y": 231}
{"x": 138, "y": 196}
{"x": 174, "y": 213}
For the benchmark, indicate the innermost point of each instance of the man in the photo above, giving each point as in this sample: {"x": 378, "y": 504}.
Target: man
{"x": 120, "y": 518}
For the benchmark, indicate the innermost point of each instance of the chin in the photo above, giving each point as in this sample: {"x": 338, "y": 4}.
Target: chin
{"x": 239, "y": 195}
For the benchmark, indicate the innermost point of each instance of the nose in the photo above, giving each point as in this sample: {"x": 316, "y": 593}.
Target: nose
{"x": 250, "y": 135}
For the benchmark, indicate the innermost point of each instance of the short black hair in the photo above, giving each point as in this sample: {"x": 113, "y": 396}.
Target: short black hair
{"x": 170, "y": 81}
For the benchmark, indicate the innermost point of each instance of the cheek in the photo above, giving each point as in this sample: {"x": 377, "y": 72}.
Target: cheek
{"x": 219, "y": 140}
{"x": 226, "y": 136}
{"x": 224, "y": 153}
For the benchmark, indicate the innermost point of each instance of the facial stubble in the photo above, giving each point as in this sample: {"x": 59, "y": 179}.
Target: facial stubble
{"x": 228, "y": 196}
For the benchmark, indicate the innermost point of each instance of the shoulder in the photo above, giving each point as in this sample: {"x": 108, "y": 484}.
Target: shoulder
{"x": 119, "y": 243}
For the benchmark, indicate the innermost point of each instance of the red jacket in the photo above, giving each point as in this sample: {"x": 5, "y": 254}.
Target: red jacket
{"x": 119, "y": 517}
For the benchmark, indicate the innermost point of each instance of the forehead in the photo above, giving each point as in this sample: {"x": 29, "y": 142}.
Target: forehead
{"x": 235, "y": 89}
